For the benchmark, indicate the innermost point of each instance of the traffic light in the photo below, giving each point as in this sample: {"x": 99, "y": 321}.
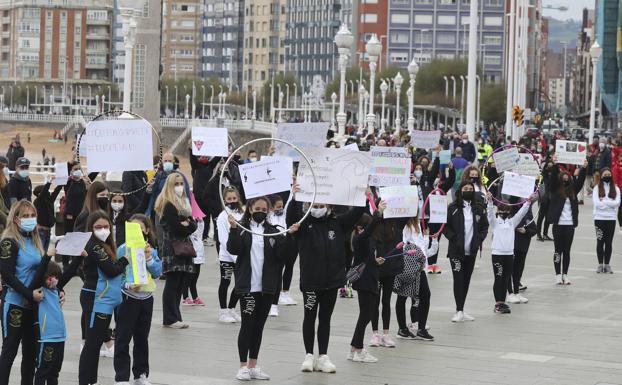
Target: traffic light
{"x": 515, "y": 113}
{"x": 521, "y": 116}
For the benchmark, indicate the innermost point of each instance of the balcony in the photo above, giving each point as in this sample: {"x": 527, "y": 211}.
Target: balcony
{"x": 97, "y": 50}
{"x": 96, "y": 66}
{"x": 97, "y": 21}
{"x": 97, "y": 36}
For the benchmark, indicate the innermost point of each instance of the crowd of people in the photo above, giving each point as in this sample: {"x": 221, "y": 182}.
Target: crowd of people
{"x": 339, "y": 249}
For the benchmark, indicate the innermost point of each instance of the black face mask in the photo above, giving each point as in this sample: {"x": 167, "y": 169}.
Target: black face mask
{"x": 278, "y": 212}
{"x": 102, "y": 202}
{"x": 567, "y": 182}
{"x": 259, "y": 216}
{"x": 232, "y": 205}
{"x": 606, "y": 179}
{"x": 467, "y": 195}
{"x": 474, "y": 180}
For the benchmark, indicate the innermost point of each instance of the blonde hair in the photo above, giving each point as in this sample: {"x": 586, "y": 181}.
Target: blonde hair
{"x": 12, "y": 230}
{"x": 167, "y": 195}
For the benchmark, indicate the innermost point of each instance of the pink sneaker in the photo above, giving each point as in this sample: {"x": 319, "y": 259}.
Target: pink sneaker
{"x": 199, "y": 302}
{"x": 388, "y": 341}
{"x": 188, "y": 302}
{"x": 375, "y": 340}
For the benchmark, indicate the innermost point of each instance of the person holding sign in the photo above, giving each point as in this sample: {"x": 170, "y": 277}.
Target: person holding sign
{"x": 466, "y": 229}
{"x": 563, "y": 213}
{"x": 134, "y": 313}
{"x": 606, "y": 198}
{"x": 256, "y": 277}
{"x": 525, "y": 230}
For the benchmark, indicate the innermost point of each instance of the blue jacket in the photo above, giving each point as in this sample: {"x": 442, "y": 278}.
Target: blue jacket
{"x": 158, "y": 185}
{"x": 109, "y": 283}
{"x": 51, "y": 320}
{"x": 18, "y": 265}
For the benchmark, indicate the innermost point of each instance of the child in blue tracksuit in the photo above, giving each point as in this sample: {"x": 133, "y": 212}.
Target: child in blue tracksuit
{"x": 134, "y": 314}
{"x": 108, "y": 295}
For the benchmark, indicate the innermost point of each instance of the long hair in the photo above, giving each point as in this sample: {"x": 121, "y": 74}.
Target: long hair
{"x": 246, "y": 218}
{"x": 566, "y": 191}
{"x": 109, "y": 244}
{"x": 3, "y": 180}
{"x": 151, "y": 234}
{"x": 467, "y": 172}
{"x": 459, "y": 199}
{"x": 601, "y": 185}
{"x": 363, "y": 221}
{"x": 168, "y": 196}
{"x": 123, "y": 211}
{"x": 413, "y": 224}
{"x": 233, "y": 190}
{"x": 90, "y": 202}
{"x": 12, "y": 230}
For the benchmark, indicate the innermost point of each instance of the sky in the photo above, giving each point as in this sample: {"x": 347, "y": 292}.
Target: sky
{"x": 575, "y": 8}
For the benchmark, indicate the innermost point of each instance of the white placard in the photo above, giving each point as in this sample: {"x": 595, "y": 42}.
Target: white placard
{"x": 341, "y": 177}
{"x": 119, "y": 145}
{"x": 141, "y": 264}
{"x": 285, "y": 159}
{"x": 210, "y": 141}
{"x": 402, "y": 201}
{"x": 438, "y": 208}
{"x": 527, "y": 165}
{"x": 506, "y": 159}
{"x": 265, "y": 177}
{"x": 351, "y": 147}
{"x": 425, "y": 139}
{"x": 73, "y": 244}
{"x": 569, "y": 152}
{"x": 390, "y": 166}
{"x": 516, "y": 185}
{"x": 306, "y": 136}
{"x": 62, "y": 174}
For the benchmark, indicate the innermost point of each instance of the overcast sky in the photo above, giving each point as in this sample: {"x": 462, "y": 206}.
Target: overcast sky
{"x": 575, "y": 8}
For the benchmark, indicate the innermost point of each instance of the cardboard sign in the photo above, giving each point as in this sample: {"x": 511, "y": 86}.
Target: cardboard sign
{"x": 521, "y": 186}
{"x": 506, "y": 159}
{"x": 306, "y": 136}
{"x": 425, "y": 139}
{"x": 210, "y": 141}
{"x": 266, "y": 177}
{"x": 390, "y": 166}
{"x": 402, "y": 201}
{"x": 569, "y": 152}
{"x": 438, "y": 208}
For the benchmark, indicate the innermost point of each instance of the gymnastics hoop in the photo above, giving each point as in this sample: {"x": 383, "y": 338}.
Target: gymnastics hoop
{"x": 517, "y": 203}
{"x": 425, "y": 204}
{"x": 114, "y": 114}
{"x": 226, "y": 165}
{"x": 507, "y": 147}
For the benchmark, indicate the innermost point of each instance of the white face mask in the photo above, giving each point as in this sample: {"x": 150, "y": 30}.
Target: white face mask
{"x": 253, "y": 159}
{"x": 179, "y": 190}
{"x": 418, "y": 174}
{"x": 319, "y": 213}
{"x": 116, "y": 206}
{"x": 102, "y": 234}
{"x": 601, "y": 146}
{"x": 465, "y": 141}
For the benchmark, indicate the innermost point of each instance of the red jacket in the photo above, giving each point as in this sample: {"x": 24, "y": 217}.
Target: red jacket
{"x": 616, "y": 170}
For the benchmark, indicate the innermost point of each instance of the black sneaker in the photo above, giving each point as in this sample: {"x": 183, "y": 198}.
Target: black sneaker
{"x": 406, "y": 334}
{"x": 547, "y": 238}
{"x": 502, "y": 308}
{"x": 521, "y": 287}
{"x": 424, "y": 335}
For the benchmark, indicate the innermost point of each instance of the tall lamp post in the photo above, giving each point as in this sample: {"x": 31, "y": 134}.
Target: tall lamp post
{"x": 344, "y": 40}
{"x": 595, "y": 52}
{"x": 333, "y": 98}
{"x": 413, "y": 68}
{"x": 479, "y": 94}
{"x": 383, "y": 92}
{"x": 254, "y": 104}
{"x": 398, "y": 81}
{"x": 462, "y": 79}
{"x": 374, "y": 49}
{"x": 361, "y": 120}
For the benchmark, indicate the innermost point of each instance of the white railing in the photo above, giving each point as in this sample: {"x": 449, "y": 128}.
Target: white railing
{"x": 18, "y": 117}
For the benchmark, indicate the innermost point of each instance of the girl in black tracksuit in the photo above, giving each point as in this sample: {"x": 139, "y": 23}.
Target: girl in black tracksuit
{"x": 545, "y": 199}
{"x": 256, "y": 274}
{"x": 563, "y": 213}
{"x": 466, "y": 229}
{"x": 525, "y": 230}
{"x": 321, "y": 241}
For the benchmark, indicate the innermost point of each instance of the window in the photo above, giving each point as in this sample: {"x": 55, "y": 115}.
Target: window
{"x": 446, "y": 19}
{"x": 399, "y": 57}
{"x": 494, "y": 60}
{"x": 138, "y": 92}
{"x": 492, "y": 40}
{"x": 369, "y": 18}
{"x": 446, "y": 55}
{"x": 369, "y": 1}
{"x": 494, "y": 3}
{"x": 447, "y": 2}
{"x": 422, "y": 37}
{"x": 399, "y": 37}
{"x": 493, "y": 21}
{"x": 400, "y": 18}
{"x": 423, "y": 1}
{"x": 446, "y": 38}
{"x": 423, "y": 19}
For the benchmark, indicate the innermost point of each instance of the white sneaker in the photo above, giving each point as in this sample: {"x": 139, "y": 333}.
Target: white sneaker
{"x": 286, "y": 299}
{"x": 467, "y": 317}
{"x": 350, "y": 356}
{"x": 364, "y": 356}
{"x": 513, "y": 298}
{"x": 258, "y": 374}
{"x": 122, "y": 383}
{"x": 225, "y": 316}
{"x": 142, "y": 380}
{"x": 559, "y": 280}
{"x": 324, "y": 365}
{"x": 244, "y": 374}
{"x": 106, "y": 351}
{"x": 236, "y": 316}
{"x": 308, "y": 363}
{"x": 566, "y": 279}
{"x": 177, "y": 325}
{"x": 274, "y": 311}
{"x": 458, "y": 317}
{"x": 522, "y": 298}
{"x": 413, "y": 327}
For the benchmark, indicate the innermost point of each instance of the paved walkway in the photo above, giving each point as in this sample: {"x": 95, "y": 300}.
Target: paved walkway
{"x": 564, "y": 335}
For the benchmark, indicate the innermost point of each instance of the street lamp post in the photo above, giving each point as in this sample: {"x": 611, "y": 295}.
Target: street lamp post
{"x": 295, "y": 95}
{"x": 287, "y": 96}
{"x": 361, "y": 120}
{"x": 186, "y": 116}
{"x": 203, "y": 102}
{"x": 176, "y": 97}
{"x": 479, "y": 94}
{"x": 129, "y": 33}
{"x": 462, "y": 99}
{"x": 595, "y": 52}
{"x": 453, "y": 79}
{"x": 166, "y": 104}
{"x": 254, "y": 104}
{"x": 281, "y": 96}
{"x": 413, "y": 69}
{"x": 374, "y": 49}
{"x": 344, "y": 40}
{"x": 383, "y": 92}
{"x": 211, "y": 102}
{"x": 333, "y": 98}
{"x": 398, "y": 81}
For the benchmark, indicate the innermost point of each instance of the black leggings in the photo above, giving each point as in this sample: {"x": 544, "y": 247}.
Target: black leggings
{"x": 604, "y": 239}
{"x": 563, "y": 236}
{"x": 18, "y": 327}
{"x": 89, "y": 358}
{"x": 87, "y": 298}
{"x": 171, "y": 297}
{"x": 517, "y": 271}
{"x": 461, "y": 269}
{"x": 254, "y": 308}
{"x": 385, "y": 289}
{"x": 620, "y": 215}
{"x": 502, "y": 269}
{"x": 134, "y": 316}
{"x": 50, "y": 363}
{"x": 190, "y": 283}
{"x": 544, "y": 207}
{"x": 367, "y": 303}
{"x": 322, "y": 302}
{"x": 419, "y": 308}
{"x": 434, "y": 228}
{"x": 288, "y": 272}
{"x": 226, "y": 274}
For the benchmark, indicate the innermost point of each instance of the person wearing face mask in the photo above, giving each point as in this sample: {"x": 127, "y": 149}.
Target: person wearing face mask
{"x": 606, "y": 199}
{"x": 563, "y": 213}
{"x": 20, "y": 186}
{"x": 484, "y": 150}
{"x": 468, "y": 148}
{"x": 251, "y": 157}
{"x": 96, "y": 199}
{"x": 75, "y": 193}
{"x": 174, "y": 212}
{"x": 276, "y": 218}
{"x": 202, "y": 170}
{"x": 503, "y": 225}
{"x": 320, "y": 242}
{"x": 616, "y": 173}
{"x": 103, "y": 271}
{"x": 256, "y": 274}
{"x": 169, "y": 165}
{"x": 472, "y": 174}
{"x": 466, "y": 229}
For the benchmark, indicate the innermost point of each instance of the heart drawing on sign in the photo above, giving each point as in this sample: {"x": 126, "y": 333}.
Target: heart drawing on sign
{"x": 198, "y": 144}
{"x": 581, "y": 148}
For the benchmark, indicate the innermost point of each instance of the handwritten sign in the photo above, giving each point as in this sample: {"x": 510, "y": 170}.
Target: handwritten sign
{"x": 306, "y": 136}
{"x": 266, "y": 177}
{"x": 119, "y": 145}
{"x": 62, "y": 173}
{"x": 521, "y": 186}
{"x": 506, "y": 159}
{"x": 569, "y": 152}
{"x": 73, "y": 244}
{"x": 390, "y": 166}
{"x": 425, "y": 139}
{"x": 210, "y": 141}
{"x": 402, "y": 201}
{"x": 351, "y": 147}
{"x": 438, "y": 208}
{"x": 135, "y": 243}
{"x": 527, "y": 165}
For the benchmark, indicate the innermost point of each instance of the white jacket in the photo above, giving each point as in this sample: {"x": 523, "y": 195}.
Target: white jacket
{"x": 607, "y": 208}
{"x": 222, "y": 222}
{"x": 503, "y": 229}
{"x": 421, "y": 241}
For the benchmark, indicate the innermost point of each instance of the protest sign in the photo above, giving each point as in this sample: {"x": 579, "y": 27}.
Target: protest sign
{"x": 438, "y": 208}
{"x": 119, "y": 145}
{"x": 425, "y": 139}
{"x": 341, "y": 177}
{"x": 303, "y": 135}
{"x": 390, "y": 166}
{"x": 402, "y": 201}
{"x": 73, "y": 244}
{"x": 266, "y": 177}
{"x": 62, "y": 174}
{"x": 135, "y": 245}
{"x": 569, "y": 152}
{"x": 445, "y": 156}
{"x": 527, "y": 165}
{"x": 210, "y": 141}
{"x": 285, "y": 159}
{"x": 506, "y": 159}
{"x": 516, "y": 185}
{"x": 351, "y": 146}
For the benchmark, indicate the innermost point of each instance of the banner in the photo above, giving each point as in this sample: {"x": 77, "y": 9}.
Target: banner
{"x": 506, "y": 159}
{"x": 306, "y": 136}
{"x": 425, "y": 139}
{"x": 438, "y": 208}
{"x": 119, "y": 145}
{"x": 390, "y": 166}
{"x": 341, "y": 177}
{"x": 210, "y": 141}
{"x": 266, "y": 177}
{"x": 402, "y": 201}
{"x": 135, "y": 245}
{"x": 516, "y": 185}
{"x": 569, "y": 152}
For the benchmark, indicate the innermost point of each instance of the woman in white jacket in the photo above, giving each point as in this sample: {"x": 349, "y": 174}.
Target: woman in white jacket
{"x": 606, "y": 197}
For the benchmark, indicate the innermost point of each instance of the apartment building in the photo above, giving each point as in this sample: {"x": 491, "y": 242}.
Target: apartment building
{"x": 181, "y": 38}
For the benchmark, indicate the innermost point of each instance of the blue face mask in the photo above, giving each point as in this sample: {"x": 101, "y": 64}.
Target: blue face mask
{"x": 27, "y": 224}
{"x": 168, "y": 166}
{"x": 23, "y": 173}
{"x": 77, "y": 174}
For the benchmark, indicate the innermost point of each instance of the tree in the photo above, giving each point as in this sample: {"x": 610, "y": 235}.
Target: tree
{"x": 283, "y": 80}
{"x": 492, "y": 103}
